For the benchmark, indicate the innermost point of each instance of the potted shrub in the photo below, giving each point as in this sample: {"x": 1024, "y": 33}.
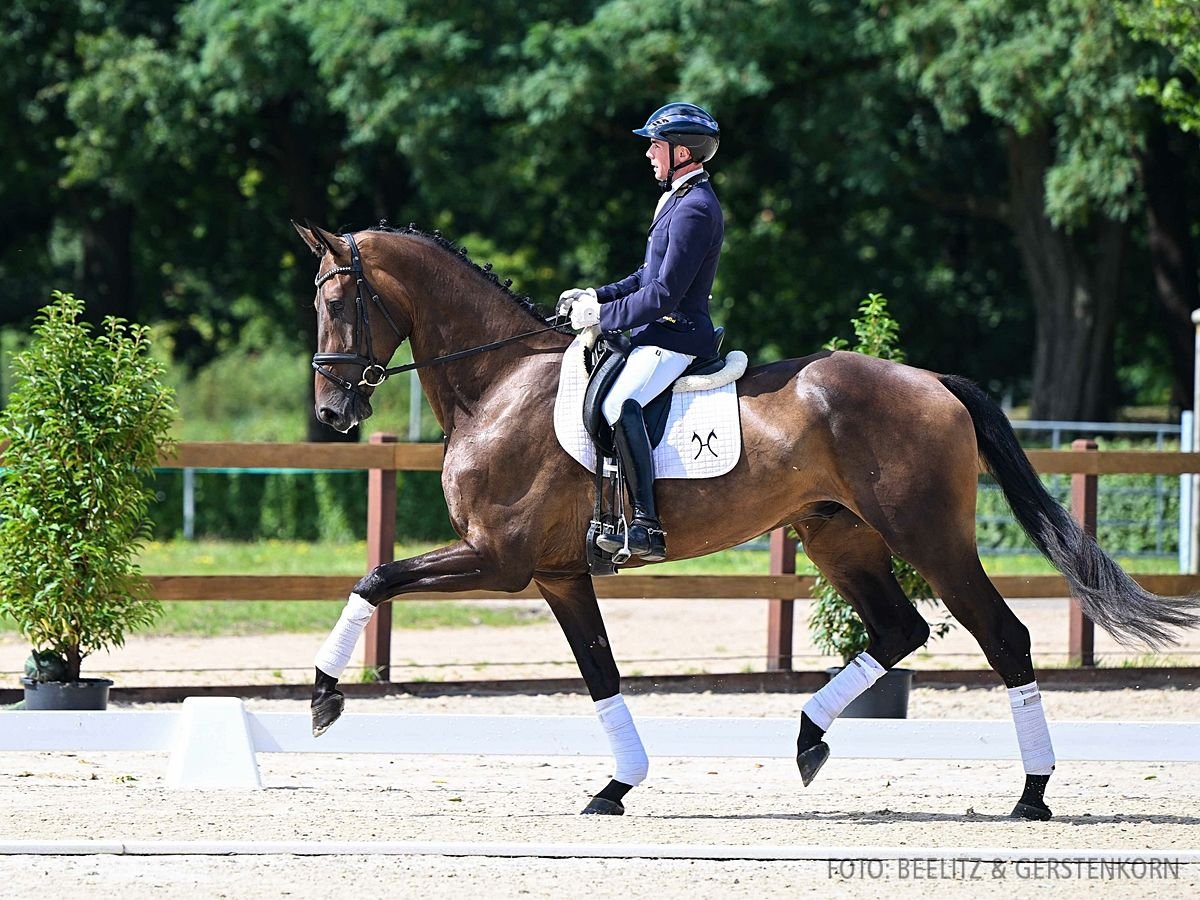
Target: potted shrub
{"x": 86, "y": 420}
{"x": 834, "y": 625}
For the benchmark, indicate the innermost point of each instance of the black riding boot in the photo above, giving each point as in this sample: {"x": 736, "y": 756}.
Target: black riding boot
{"x": 646, "y": 536}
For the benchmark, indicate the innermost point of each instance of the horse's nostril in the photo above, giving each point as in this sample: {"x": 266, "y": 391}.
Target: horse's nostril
{"x": 327, "y": 415}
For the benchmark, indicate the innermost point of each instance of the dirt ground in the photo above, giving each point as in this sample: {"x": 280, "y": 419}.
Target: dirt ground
{"x": 1129, "y": 807}
{"x": 1126, "y": 807}
{"x": 705, "y": 636}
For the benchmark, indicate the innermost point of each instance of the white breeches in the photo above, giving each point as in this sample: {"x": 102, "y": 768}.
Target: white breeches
{"x": 648, "y": 372}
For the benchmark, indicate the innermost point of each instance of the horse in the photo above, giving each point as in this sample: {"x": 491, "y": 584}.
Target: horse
{"x": 867, "y": 459}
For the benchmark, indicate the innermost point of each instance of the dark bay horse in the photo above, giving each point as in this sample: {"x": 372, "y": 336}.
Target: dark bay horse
{"x": 865, "y": 458}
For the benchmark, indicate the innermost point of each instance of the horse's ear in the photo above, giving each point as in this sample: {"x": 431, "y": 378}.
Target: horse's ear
{"x": 318, "y": 239}
{"x": 309, "y": 238}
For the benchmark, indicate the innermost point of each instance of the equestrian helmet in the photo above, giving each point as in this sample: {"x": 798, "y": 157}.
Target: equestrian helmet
{"x": 685, "y": 124}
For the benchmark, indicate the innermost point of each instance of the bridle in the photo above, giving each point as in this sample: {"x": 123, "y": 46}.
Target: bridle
{"x": 374, "y": 372}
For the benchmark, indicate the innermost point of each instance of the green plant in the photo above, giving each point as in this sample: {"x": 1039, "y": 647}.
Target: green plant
{"x": 834, "y": 625}
{"x": 86, "y": 420}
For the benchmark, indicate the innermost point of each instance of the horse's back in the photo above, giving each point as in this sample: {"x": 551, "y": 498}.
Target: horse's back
{"x": 848, "y": 411}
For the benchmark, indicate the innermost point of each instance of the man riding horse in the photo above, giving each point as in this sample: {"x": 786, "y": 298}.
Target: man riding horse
{"x": 664, "y": 304}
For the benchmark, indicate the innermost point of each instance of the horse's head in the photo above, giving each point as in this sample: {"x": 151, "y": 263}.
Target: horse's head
{"x": 356, "y": 333}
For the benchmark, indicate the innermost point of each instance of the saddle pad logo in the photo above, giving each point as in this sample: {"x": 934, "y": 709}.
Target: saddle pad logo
{"x": 703, "y": 438}
{"x": 705, "y": 444}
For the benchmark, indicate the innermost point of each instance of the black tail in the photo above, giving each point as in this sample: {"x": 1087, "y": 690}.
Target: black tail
{"x": 1106, "y": 593}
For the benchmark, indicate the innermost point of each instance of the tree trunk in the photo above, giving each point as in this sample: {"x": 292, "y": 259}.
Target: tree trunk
{"x": 74, "y": 663}
{"x": 1172, "y": 254}
{"x": 1074, "y": 280}
{"x": 106, "y": 282}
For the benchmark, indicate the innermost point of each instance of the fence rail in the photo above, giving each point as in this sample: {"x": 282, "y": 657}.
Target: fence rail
{"x": 383, "y": 457}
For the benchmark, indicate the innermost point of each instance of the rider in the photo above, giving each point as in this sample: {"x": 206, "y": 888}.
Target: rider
{"x": 664, "y": 304}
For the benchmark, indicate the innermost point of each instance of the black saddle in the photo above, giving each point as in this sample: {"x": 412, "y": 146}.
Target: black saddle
{"x": 605, "y": 362}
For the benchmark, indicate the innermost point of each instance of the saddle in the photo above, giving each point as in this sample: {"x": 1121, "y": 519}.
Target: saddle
{"x": 604, "y": 363}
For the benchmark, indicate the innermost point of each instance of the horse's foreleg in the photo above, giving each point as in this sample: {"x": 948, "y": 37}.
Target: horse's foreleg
{"x": 573, "y": 602}
{"x": 459, "y": 567}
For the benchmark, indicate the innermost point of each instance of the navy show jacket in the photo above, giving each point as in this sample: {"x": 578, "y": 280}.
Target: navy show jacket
{"x": 665, "y": 302}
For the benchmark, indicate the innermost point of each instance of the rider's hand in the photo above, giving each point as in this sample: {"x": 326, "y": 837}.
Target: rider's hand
{"x": 568, "y": 297}
{"x": 585, "y": 311}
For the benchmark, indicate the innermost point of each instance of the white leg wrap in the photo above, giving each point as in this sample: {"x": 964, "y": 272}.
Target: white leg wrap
{"x": 827, "y": 704}
{"x": 623, "y": 738}
{"x": 1037, "y": 753}
{"x": 335, "y": 653}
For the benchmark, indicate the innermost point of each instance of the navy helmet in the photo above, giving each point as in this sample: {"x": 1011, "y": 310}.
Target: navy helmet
{"x": 685, "y": 124}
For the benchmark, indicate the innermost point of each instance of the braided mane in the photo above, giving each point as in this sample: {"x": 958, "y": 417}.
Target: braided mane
{"x": 524, "y": 301}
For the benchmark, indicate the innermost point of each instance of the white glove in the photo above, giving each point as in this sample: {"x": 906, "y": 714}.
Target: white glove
{"x": 585, "y": 311}
{"x": 568, "y": 297}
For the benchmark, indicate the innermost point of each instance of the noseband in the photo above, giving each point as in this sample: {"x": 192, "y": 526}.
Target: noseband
{"x": 374, "y": 373}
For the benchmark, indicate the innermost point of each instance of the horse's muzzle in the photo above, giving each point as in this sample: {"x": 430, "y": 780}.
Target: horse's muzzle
{"x": 355, "y": 410}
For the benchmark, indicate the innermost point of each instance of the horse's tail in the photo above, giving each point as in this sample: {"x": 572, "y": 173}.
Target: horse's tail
{"x": 1106, "y": 593}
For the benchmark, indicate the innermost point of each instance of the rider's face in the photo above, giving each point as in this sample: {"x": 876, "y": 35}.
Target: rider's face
{"x": 659, "y": 155}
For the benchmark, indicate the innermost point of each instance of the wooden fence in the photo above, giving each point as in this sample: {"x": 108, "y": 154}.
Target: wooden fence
{"x": 383, "y": 457}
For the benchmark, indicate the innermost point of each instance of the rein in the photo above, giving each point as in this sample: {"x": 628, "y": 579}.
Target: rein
{"x": 375, "y": 373}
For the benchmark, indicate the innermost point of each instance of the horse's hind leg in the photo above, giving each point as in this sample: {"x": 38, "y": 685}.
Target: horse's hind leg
{"x": 943, "y": 550}
{"x": 857, "y": 562}
{"x": 973, "y": 600}
{"x": 572, "y": 599}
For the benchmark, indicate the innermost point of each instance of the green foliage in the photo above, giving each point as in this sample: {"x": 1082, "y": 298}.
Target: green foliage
{"x": 1066, "y": 67}
{"x": 833, "y": 623}
{"x": 865, "y": 145}
{"x": 86, "y": 421}
{"x": 1174, "y": 25}
{"x": 302, "y": 505}
{"x": 876, "y": 332}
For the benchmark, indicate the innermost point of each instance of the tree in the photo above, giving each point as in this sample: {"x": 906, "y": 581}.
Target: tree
{"x": 819, "y": 143}
{"x": 1168, "y": 170}
{"x": 1059, "y": 81}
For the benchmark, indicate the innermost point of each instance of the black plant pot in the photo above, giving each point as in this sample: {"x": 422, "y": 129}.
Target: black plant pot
{"x": 885, "y": 699}
{"x": 87, "y": 693}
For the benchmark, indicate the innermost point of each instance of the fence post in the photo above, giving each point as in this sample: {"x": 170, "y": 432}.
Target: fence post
{"x": 1081, "y": 641}
{"x": 780, "y": 612}
{"x": 381, "y": 548}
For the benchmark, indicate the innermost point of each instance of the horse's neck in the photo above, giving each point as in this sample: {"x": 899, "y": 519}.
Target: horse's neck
{"x": 459, "y": 311}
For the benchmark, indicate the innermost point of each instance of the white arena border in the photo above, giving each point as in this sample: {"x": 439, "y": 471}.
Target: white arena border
{"x": 213, "y": 741}
{"x": 590, "y": 850}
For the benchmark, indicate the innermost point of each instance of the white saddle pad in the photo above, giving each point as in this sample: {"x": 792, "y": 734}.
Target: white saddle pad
{"x": 703, "y": 437}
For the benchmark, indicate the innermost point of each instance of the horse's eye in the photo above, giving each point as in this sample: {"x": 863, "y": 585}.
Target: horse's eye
{"x": 336, "y": 307}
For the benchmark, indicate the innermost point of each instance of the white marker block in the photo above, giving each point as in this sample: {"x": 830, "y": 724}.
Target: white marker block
{"x": 213, "y": 748}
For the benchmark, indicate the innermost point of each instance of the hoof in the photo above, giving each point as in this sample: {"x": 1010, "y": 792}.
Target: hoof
{"x": 326, "y": 712}
{"x": 601, "y": 807}
{"x": 1032, "y": 813}
{"x": 810, "y": 761}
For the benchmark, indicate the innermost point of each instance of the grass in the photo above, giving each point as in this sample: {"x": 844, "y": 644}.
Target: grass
{"x": 211, "y": 557}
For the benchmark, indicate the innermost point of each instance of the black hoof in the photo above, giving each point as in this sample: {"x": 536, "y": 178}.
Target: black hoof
{"x": 327, "y": 711}
{"x": 601, "y": 807}
{"x": 810, "y": 761}
{"x": 1031, "y": 812}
